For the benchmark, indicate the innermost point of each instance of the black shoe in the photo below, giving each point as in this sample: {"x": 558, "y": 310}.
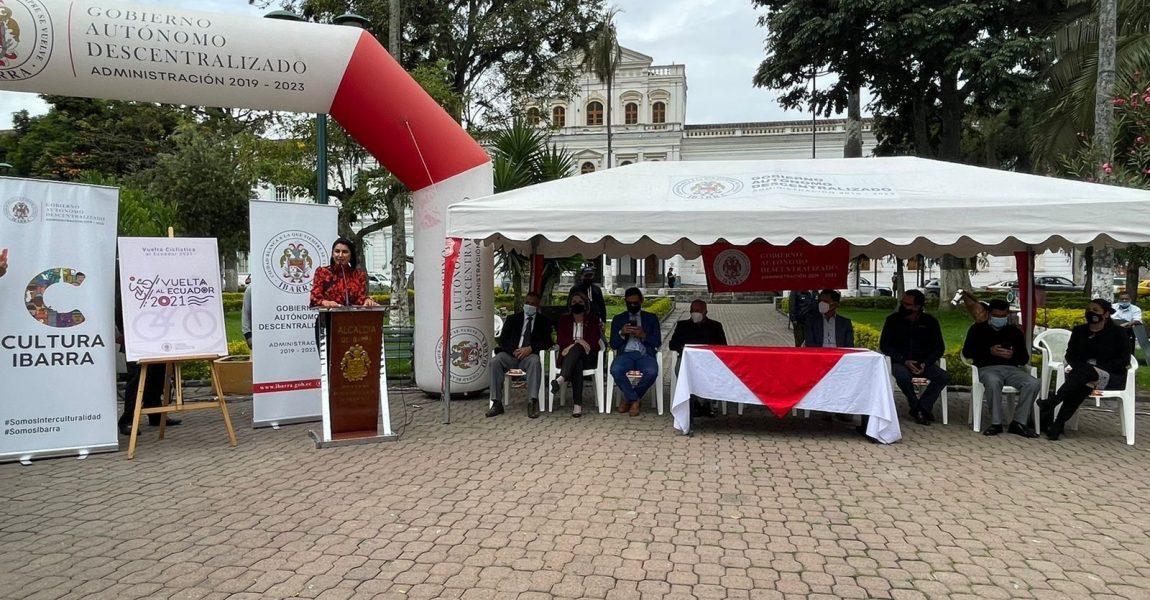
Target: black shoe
{"x": 1054, "y": 432}
{"x": 156, "y": 423}
{"x": 125, "y": 428}
{"x": 927, "y": 416}
{"x": 1019, "y": 429}
{"x": 914, "y": 414}
{"x": 533, "y": 408}
{"x": 495, "y": 410}
{"x": 993, "y": 430}
{"x": 922, "y": 418}
{"x": 861, "y": 430}
{"x": 554, "y": 387}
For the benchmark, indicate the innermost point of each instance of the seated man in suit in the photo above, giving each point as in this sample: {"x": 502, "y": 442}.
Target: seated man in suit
{"x": 827, "y": 328}
{"x": 525, "y": 335}
{"x": 635, "y": 337}
{"x": 699, "y": 329}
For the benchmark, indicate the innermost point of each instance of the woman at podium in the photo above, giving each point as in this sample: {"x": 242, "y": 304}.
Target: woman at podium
{"x": 340, "y": 283}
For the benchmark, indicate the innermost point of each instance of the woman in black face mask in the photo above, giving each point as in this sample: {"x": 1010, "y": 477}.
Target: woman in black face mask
{"x": 578, "y": 336}
{"x": 1097, "y": 356}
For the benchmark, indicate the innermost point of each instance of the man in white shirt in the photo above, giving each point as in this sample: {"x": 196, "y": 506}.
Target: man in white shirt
{"x": 1129, "y": 316}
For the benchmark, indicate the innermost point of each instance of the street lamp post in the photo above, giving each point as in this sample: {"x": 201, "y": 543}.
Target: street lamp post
{"x": 349, "y": 19}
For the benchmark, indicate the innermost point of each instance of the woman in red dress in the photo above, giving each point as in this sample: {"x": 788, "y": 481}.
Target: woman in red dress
{"x": 578, "y": 336}
{"x": 340, "y": 283}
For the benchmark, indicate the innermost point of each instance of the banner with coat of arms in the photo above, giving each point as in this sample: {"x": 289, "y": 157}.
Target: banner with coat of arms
{"x": 289, "y": 241}
{"x": 763, "y": 267}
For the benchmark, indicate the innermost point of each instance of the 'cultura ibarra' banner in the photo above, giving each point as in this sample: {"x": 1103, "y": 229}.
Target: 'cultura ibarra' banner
{"x": 763, "y": 267}
{"x": 57, "y": 329}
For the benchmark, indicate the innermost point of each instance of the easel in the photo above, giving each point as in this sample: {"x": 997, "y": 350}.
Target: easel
{"x": 172, "y": 365}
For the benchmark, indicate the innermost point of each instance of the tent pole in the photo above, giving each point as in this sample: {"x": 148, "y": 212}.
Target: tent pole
{"x": 1032, "y": 297}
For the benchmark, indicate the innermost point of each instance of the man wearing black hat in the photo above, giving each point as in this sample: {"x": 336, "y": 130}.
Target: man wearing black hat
{"x": 595, "y": 293}
{"x": 1000, "y": 352}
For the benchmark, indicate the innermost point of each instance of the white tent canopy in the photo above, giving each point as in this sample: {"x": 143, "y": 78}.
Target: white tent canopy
{"x": 882, "y": 206}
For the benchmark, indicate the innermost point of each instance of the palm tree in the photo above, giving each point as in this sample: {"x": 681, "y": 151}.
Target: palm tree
{"x": 602, "y": 58}
{"x": 522, "y": 156}
{"x": 1071, "y": 74}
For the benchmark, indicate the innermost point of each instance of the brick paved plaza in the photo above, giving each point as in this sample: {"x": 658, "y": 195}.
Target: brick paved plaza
{"x": 606, "y": 506}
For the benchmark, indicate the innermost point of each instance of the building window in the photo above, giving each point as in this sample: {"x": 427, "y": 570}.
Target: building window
{"x": 624, "y": 163}
{"x": 283, "y": 194}
{"x": 588, "y": 167}
{"x": 595, "y": 113}
{"x": 659, "y": 112}
{"x": 533, "y": 116}
{"x": 558, "y": 117}
{"x": 630, "y": 113}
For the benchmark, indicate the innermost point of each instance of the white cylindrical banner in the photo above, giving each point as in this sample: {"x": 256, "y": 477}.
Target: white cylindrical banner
{"x": 57, "y": 318}
{"x": 289, "y": 241}
{"x": 472, "y": 298}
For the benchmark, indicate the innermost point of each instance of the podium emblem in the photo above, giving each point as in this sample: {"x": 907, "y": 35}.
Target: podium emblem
{"x": 355, "y": 363}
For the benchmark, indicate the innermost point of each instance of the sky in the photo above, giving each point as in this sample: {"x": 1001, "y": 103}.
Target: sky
{"x": 719, "y": 41}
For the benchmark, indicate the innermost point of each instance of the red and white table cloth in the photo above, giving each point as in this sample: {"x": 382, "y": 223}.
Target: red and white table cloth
{"x": 839, "y": 380}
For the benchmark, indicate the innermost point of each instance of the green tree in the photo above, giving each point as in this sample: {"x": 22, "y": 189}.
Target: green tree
{"x": 522, "y": 156}
{"x": 208, "y": 176}
{"x": 498, "y": 53}
{"x": 78, "y": 135}
{"x": 140, "y": 213}
{"x": 602, "y": 57}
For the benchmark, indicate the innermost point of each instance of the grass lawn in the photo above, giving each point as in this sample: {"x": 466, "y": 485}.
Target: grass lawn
{"x": 954, "y": 325}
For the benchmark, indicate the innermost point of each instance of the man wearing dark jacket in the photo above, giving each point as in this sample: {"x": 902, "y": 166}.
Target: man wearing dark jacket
{"x": 913, "y": 341}
{"x": 999, "y": 351}
{"x": 595, "y": 293}
{"x": 525, "y": 334}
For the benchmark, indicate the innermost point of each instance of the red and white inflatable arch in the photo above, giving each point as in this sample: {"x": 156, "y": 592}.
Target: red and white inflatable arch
{"x": 127, "y": 52}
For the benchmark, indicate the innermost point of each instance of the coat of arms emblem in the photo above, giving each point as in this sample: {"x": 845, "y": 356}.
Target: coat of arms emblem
{"x": 355, "y": 363}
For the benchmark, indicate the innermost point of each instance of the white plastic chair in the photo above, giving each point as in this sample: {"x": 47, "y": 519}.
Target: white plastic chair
{"x": 978, "y": 390}
{"x": 498, "y": 326}
{"x": 1125, "y": 398}
{"x": 657, "y": 401}
{"x": 597, "y": 374}
{"x": 1052, "y": 344}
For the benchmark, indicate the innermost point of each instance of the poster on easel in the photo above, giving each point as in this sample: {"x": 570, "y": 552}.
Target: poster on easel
{"x": 289, "y": 241}
{"x": 172, "y": 298}
{"x": 57, "y": 319}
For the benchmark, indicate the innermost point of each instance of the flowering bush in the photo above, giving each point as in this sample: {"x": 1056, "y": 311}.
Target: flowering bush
{"x": 1129, "y": 163}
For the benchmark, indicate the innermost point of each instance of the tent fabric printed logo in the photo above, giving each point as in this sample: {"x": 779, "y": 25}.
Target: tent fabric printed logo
{"x": 290, "y": 258}
{"x": 707, "y": 188}
{"x": 21, "y": 210}
{"x": 732, "y": 267}
{"x": 25, "y": 39}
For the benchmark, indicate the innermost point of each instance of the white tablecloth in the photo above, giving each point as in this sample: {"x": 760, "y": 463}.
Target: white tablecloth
{"x": 859, "y": 384}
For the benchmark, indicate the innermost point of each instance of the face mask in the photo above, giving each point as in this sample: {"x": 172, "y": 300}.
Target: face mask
{"x": 1093, "y": 317}
{"x": 1123, "y": 305}
{"x": 634, "y": 307}
{"x": 696, "y": 317}
{"x": 530, "y": 310}
{"x": 998, "y": 322}
{"x": 588, "y": 280}
{"x": 578, "y": 308}
{"x": 904, "y": 311}
{"x": 824, "y": 308}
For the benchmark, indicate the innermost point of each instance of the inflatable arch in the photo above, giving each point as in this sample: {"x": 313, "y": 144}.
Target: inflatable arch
{"x": 121, "y": 51}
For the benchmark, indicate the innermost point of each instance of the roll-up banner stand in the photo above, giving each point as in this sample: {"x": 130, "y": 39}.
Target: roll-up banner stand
{"x": 57, "y": 319}
{"x": 289, "y": 241}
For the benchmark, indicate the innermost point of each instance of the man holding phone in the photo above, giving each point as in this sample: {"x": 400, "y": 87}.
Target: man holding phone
{"x": 913, "y": 341}
{"x": 635, "y": 337}
{"x": 999, "y": 351}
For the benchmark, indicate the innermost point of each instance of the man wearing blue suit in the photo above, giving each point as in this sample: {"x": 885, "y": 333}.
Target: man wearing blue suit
{"x": 828, "y": 329}
{"x": 635, "y": 338}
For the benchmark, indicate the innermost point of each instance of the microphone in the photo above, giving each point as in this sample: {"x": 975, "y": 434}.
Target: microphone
{"x": 346, "y": 297}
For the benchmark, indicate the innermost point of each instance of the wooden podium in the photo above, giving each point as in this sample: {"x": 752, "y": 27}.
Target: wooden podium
{"x": 353, "y": 377}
